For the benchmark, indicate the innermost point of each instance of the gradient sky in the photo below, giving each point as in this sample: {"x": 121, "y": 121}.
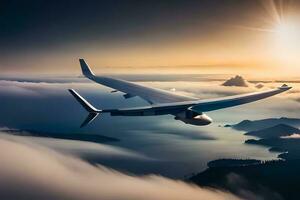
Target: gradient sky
{"x": 207, "y": 36}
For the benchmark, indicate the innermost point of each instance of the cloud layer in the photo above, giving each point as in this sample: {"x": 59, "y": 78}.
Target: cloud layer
{"x": 29, "y": 171}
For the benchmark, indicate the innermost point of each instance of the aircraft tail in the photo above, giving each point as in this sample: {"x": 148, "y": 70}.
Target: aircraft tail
{"x": 86, "y": 70}
{"x": 93, "y": 112}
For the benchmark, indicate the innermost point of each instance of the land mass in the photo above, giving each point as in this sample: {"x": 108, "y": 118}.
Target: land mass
{"x": 254, "y": 179}
{"x": 280, "y": 138}
{"x": 290, "y": 146}
{"x": 268, "y": 180}
{"x": 276, "y": 131}
{"x": 248, "y": 125}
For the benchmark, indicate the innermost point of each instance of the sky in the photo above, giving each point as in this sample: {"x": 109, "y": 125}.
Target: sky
{"x": 207, "y": 36}
{"x": 194, "y": 46}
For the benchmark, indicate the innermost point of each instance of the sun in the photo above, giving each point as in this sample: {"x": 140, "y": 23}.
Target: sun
{"x": 287, "y": 43}
{"x": 286, "y": 37}
{"x": 288, "y": 33}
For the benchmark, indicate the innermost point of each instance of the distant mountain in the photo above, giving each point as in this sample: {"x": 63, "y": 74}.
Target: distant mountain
{"x": 281, "y": 138}
{"x": 274, "y": 180}
{"x": 290, "y": 146}
{"x": 238, "y": 81}
{"x": 275, "y": 131}
{"x": 248, "y": 125}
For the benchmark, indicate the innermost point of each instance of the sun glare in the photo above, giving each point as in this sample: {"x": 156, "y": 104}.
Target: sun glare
{"x": 288, "y": 34}
{"x": 287, "y": 41}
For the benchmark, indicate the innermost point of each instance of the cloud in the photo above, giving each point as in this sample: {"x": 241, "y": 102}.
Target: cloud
{"x": 248, "y": 190}
{"x": 199, "y": 89}
{"x": 30, "y": 171}
{"x": 209, "y": 89}
{"x": 8, "y": 87}
{"x": 78, "y": 148}
{"x": 259, "y": 85}
{"x": 238, "y": 81}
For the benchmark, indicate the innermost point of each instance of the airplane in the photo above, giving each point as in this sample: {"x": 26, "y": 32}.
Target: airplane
{"x": 186, "y": 109}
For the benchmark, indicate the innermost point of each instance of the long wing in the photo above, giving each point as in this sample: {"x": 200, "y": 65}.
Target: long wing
{"x": 226, "y": 102}
{"x": 177, "y": 107}
{"x": 167, "y": 105}
{"x": 151, "y": 95}
{"x": 200, "y": 105}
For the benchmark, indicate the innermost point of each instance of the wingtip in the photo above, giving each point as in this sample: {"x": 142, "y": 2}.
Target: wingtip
{"x": 89, "y": 119}
{"x": 86, "y": 70}
{"x": 285, "y": 87}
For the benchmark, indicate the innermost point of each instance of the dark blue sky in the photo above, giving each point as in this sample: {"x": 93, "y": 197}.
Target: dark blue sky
{"x": 46, "y": 23}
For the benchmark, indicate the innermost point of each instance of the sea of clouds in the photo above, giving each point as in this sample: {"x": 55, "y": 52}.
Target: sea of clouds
{"x": 31, "y": 171}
